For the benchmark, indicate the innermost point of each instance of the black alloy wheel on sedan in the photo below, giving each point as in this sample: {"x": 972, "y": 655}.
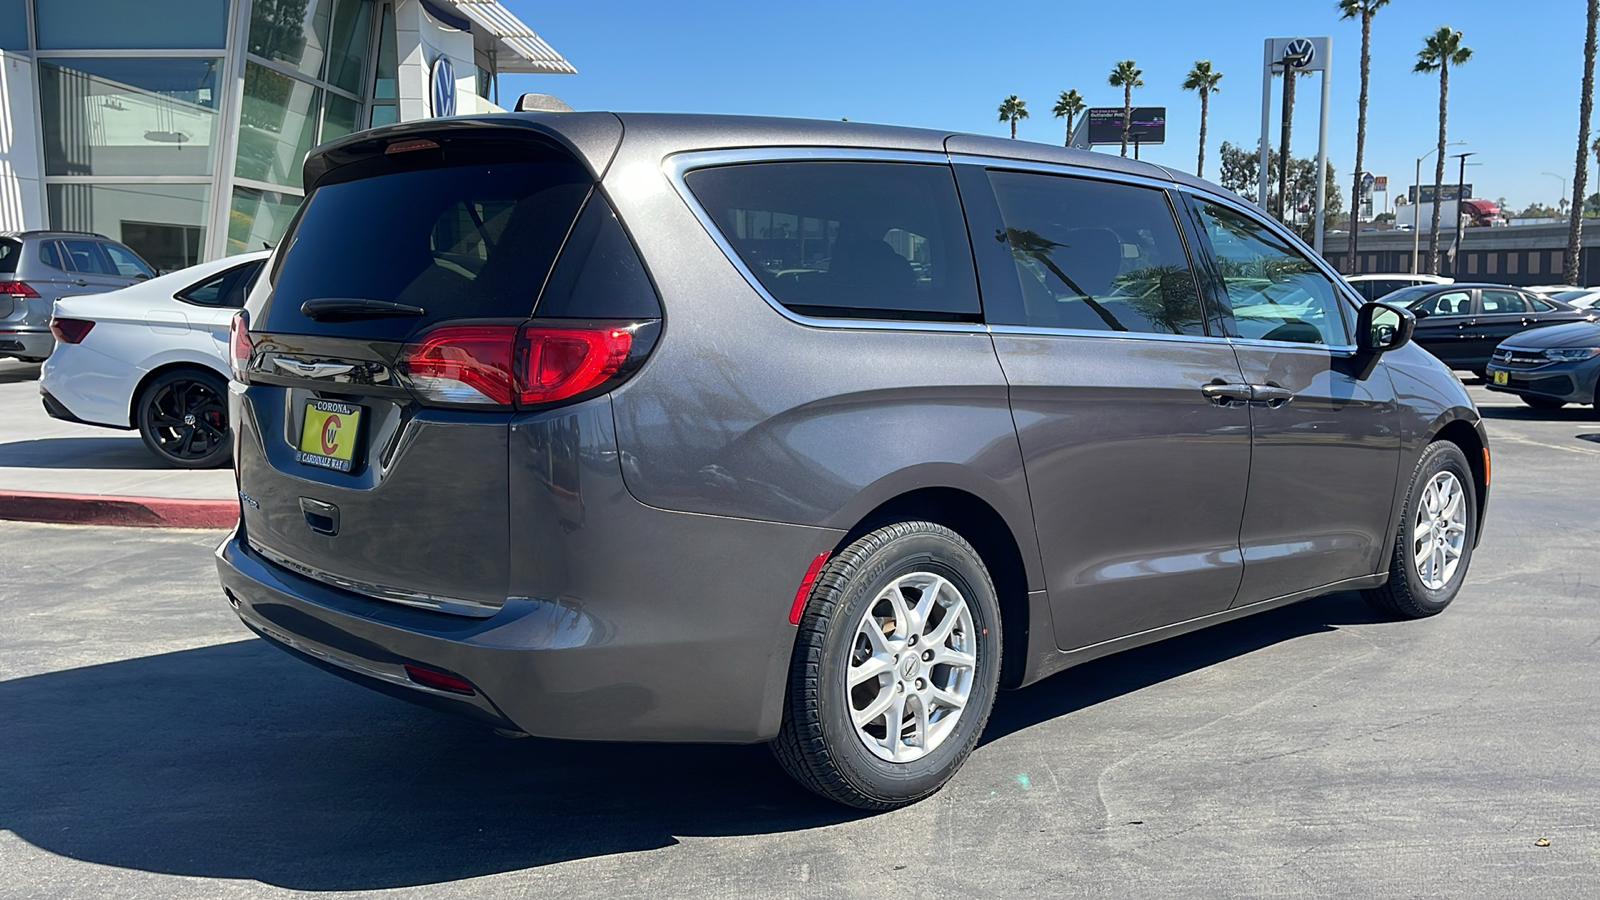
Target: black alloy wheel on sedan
{"x": 183, "y": 418}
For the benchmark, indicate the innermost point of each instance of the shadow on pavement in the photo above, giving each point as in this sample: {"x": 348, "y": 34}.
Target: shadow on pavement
{"x": 124, "y": 452}
{"x": 15, "y": 372}
{"x": 235, "y": 761}
{"x": 1571, "y": 413}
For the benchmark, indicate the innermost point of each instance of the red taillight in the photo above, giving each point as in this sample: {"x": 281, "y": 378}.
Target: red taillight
{"x": 441, "y": 681}
{"x": 504, "y": 365}
{"x": 463, "y": 364}
{"x": 558, "y": 363}
{"x": 17, "y": 289}
{"x": 804, "y": 591}
{"x": 407, "y": 146}
{"x": 239, "y": 345}
{"x": 70, "y": 331}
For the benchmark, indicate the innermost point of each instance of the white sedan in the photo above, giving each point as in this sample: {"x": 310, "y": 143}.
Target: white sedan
{"x": 153, "y": 357}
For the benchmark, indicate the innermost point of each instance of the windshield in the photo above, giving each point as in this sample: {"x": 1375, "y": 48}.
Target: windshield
{"x": 1570, "y": 296}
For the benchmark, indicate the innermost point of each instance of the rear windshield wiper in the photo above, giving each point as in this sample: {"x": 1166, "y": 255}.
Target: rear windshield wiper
{"x": 345, "y": 309}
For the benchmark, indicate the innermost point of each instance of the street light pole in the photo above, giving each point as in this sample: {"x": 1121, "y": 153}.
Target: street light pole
{"x": 1562, "y": 179}
{"x": 1461, "y": 225}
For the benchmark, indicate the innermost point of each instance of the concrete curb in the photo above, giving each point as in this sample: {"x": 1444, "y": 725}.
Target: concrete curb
{"x": 101, "y": 509}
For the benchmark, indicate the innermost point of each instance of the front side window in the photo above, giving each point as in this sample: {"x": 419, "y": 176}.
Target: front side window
{"x": 860, "y": 240}
{"x": 1446, "y": 303}
{"x": 1096, "y": 256}
{"x": 1502, "y": 303}
{"x": 126, "y": 263}
{"x": 1277, "y": 293}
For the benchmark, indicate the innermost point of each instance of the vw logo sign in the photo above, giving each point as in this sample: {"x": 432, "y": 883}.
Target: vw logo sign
{"x": 1299, "y": 53}
{"x": 444, "y": 86}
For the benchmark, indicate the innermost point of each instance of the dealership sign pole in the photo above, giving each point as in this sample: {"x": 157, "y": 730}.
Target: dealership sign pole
{"x": 1302, "y": 55}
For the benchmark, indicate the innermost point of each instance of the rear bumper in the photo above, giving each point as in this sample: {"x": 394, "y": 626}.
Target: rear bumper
{"x": 30, "y": 343}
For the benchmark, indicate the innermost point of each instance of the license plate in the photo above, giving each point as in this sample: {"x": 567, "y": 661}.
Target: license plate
{"x": 1502, "y": 377}
{"x": 328, "y": 435}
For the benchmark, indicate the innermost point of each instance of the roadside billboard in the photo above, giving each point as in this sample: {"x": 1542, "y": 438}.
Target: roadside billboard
{"x": 1149, "y": 125}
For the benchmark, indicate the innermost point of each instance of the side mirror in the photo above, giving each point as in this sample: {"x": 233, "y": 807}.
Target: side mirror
{"x": 1421, "y": 312}
{"x": 1381, "y": 327}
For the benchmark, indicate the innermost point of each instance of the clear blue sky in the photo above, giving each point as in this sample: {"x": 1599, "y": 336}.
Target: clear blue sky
{"x": 948, "y": 65}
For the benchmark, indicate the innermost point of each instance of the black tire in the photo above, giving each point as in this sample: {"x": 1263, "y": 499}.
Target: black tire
{"x": 1405, "y": 594}
{"x": 818, "y": 743}
{"x": 1546, "y": 403}
{"x": 183, "y": 418}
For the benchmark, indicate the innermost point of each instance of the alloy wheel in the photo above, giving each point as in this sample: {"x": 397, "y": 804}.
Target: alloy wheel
{"x": 187, "y": 419}
{"x": 911, "y": 667}
{"x": 1439, "y": 534}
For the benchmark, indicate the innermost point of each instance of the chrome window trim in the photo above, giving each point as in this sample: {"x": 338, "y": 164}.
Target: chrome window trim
{"x": 1045, "y": 331}
{"x": 1047, "y": 168}
{"x": 1340, "y": 287}
{"x": 677, "y": 167}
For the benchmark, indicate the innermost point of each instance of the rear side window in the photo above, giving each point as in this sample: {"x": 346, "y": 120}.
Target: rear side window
{"x": 858, "y": 240}
{"x": 1502, "y": 302}
{"x": 465, "y": 241}
{"x": 600, "y": 275}
{"x": 50, "y": 255}
{"x": 88, "y": 257}
{"x": 224, "y": 289}
{"x": 1540, "y": 305}
{"x": 1095, "y": 256}
{"x": 9, "y": 252}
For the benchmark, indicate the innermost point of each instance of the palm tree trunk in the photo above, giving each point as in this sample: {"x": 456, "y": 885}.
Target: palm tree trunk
{"x": 1200, "y": 164}
{"x": 1013, "y": 128}
{"x": 1580, "y": 175}
{"x": 1438, "y": 172}
{"x": 1283, "y": 151}
{"x": 1127, "y": 115}
{"x": 1361, "y": 135}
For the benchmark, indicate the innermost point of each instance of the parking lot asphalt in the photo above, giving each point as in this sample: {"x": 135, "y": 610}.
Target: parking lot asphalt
{"x": 38, "y": 453}
{"x": 150, "y": 748}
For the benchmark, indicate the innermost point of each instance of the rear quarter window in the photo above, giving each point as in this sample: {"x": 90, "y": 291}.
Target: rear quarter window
{"x": 10, "y": 251}
{"x": 854, "y": 240}
{"x": 465, "y": 241}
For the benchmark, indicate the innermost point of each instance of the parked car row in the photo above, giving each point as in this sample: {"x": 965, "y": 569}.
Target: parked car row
{"x": 39, "y": 267}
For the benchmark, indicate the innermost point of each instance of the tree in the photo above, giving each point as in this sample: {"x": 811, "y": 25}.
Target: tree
{"x": 1363, "y": 10}
{"x": 1439, "y": 52}
{"x": 1126, "y": 76}
{"x": 1241, "y": 167}
{"x": 1069, "y": 107}
{"x": 1011, "y": 109}
{"x": 1204, "y": 79}
{"x": 1580, "y": 174}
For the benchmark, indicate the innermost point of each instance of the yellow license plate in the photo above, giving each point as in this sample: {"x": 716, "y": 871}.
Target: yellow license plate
{"x": 1502, "y": 377}
{"x": 328, "y": 435}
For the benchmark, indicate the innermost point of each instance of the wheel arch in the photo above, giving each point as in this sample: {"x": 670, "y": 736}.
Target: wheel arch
{"x": 163, "y": 369}
{"x": 989, "y": 533}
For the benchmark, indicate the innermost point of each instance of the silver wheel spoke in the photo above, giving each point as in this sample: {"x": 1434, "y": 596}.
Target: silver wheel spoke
{"x": 919, "y": 723}
{"x": 874, "y": 710}
{"x": 956, "y": 658}
{"x": 874, "y": 667}
{"x": 945, "y": 699}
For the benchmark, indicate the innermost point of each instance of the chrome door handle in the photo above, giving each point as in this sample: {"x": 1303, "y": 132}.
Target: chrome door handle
{"x": 1270, "y": 394}
{"x": 1224, "y": 393}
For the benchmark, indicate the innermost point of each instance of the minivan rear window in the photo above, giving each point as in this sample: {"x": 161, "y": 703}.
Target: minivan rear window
{"x": 859, "y": 240}
{"x": 465, "y": 241}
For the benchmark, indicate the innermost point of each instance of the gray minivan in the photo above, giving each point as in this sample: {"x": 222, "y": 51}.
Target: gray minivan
{"x": 695, "y": 428}
{"x": 37, "y": 268}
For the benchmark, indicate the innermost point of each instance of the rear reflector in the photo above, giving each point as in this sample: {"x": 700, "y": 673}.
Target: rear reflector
{"x": 17, "y": 289}
{"x": 505, "y": 365}
{"x": 440, "y": 681}
{"x": 239, "y": 344}
{"x": 804, "y": 590}
{"x": 70, "y": 331}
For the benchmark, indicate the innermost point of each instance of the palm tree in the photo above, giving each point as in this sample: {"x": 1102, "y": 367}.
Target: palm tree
{"x": 1013, "y": 108}
{"x": 1203, "y": 79}
{"x": 1439, "y": 52}
{"x": 1284, "y": 159}
{"x": 1126, "y": 76}
{"x": 1071, "y": 105}
{"x": 1580, "y": 176}
{"x": 1363, "y": 10}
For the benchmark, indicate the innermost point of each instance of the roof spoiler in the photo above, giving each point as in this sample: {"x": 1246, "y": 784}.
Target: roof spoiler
{"x": 541, "y": 103}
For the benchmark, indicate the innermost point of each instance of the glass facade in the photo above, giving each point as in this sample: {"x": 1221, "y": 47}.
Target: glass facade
{"x": 125, "y": 116}
{"x": 276, "y": 125}
{"x": 128, "y": 25}
{"x": 13, "y": 25}
{"x": 164, "y": 223}
{"x": 258, "y": 218}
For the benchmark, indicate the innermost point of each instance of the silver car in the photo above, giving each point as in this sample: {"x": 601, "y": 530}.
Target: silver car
{"x": 37, "y": 268}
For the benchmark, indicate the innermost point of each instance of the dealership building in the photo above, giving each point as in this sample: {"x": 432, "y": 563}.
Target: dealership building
{"x": 178, "y": 126}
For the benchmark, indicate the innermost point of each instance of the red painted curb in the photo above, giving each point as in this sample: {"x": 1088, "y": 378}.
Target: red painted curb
{"x": 99, "y": 509}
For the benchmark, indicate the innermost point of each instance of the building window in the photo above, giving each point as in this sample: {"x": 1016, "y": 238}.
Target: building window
{"x": 1491, "y": 263}
{"x": 385, "y": 80}
{"x": 13, "y": 25}
{"x": 1558, "y": 260}
{"x": 131, "y": 25}
{"x": 1511, "y": 262}
{"x": 123, "y": 116}
{"x": 276, "y": 125}
{"x": 258, "y": 219}
{"x": 164, "y": 223}
{"x": 1472, "y": 263}
{"x": 1535, "y": 257}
